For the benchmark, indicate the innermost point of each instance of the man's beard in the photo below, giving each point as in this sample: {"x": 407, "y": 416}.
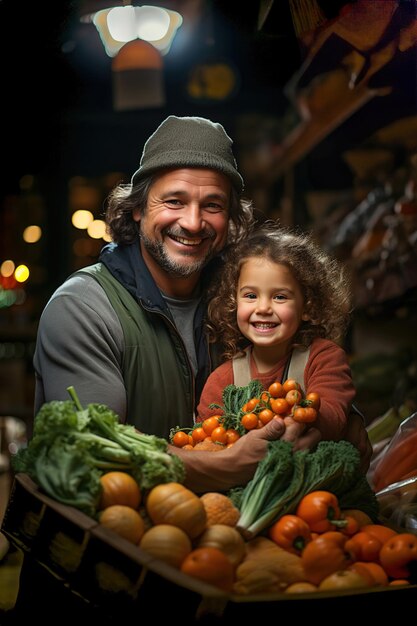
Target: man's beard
{"x": 157, "y": 251}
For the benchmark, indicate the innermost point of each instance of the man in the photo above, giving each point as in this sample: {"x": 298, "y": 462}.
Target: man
{"x": 127, "y": 332}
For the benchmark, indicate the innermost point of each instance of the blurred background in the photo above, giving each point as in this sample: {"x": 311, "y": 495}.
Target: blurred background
{"x": 319, "y": 96}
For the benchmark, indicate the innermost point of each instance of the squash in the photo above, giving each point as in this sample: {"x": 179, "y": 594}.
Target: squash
{"x": 257, "y": 581}
{"x": 167, "y": 543}
{"x": 172, "y": 503}
{"x": 268, "y": 568}
{"x": 219, "y": 509}
{"x": 119, "y": 488}
{"x": 124, "y": 521}
{"x": 226, "y": 539}
{"x": 259, "y": 545}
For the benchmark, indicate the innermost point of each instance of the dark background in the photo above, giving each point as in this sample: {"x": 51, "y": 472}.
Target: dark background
{"x": 57, "y": 90}
{"x": 59, "y": 124}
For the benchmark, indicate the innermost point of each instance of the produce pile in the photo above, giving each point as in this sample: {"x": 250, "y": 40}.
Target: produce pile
{"x": 306, "y": 522}
{"x": 318, "y": 548}
{"x": 284, "y": 477}
{"x": 72, "y": 447}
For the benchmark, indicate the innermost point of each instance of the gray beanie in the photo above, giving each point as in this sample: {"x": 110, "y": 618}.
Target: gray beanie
{"x": 189, "y": 142}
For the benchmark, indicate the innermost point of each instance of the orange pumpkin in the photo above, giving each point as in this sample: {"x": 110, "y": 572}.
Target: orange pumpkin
{"x": 172, "y": 503}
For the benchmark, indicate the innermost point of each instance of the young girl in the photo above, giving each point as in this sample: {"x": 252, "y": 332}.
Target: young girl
{"x": 278, "y": 290}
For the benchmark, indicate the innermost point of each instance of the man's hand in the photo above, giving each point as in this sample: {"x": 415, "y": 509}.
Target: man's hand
{"x": 302, "y": 437}
{"x": 220, "y": 471}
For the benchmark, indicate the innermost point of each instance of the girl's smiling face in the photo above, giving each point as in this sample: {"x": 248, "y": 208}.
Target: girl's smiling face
{"x": 270, "y": 305}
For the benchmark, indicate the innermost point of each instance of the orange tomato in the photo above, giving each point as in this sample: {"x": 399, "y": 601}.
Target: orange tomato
{"x": 363, "y": 546}
{"x": 249, "y": 421}
{"x": 180, "y": 439}
{"x": 232, "y": 436}
{"x": 218, "y": 435}
{"x": 210, "y": 565}
{"x": 265, "y": 416}
{"x": 304, "y": 414}
{"x": 276, "y": 390}
{"x": 290, "y": 384}
{"x": 280, "y": 406}
{"x": 381, "y": 532}
{"x": 210, "y": 423}
{"x": 198, "y": 434}
{"x": 398, "y": 555}
{"x": 119, "y": 488}
{"x": 293, "y": 397}
{"x": 252, "y": 404}
{"x": 375, "y": 570}
{"x": 313, "y": 399}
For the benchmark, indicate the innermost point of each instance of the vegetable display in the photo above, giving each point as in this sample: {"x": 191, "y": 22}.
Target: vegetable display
{"x": 284, "y": 477}
{"x": 72, "y": 447}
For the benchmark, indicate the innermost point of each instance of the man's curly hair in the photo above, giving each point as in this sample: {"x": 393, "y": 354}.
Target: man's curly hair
{"x": 323, "y": 282}
{"x": 124, "y": 198}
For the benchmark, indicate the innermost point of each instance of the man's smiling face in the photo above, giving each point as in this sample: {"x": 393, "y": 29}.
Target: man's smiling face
{"x": 185, "y": 223}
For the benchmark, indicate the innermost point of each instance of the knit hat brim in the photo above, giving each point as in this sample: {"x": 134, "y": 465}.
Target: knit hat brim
{"x": 189, "y": 142}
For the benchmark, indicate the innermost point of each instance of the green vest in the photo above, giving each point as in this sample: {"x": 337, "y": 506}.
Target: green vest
{"x": 155, "y": 369}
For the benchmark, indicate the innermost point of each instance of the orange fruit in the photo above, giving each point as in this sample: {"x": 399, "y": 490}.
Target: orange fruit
{"x": 280, "y": 406}
{"x": 276, "y": 390}
{"x": 180, "y": 439}
{"x": 383, "y": 533}
{"x": 210, "y": 565}
{"x": 249, "y": 421}
{"x": 124, "y": 521}
{"x": 198, "y": 434}
{"x": 219, "y": 509}
{"x": 210, "y": 423}
{"x": 376, "y": 571}
{"x": 119, "y": 488}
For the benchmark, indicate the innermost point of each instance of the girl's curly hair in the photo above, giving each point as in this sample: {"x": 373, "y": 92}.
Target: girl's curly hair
{"x": 323, "y": 281}
{"x": 124, "y": 198}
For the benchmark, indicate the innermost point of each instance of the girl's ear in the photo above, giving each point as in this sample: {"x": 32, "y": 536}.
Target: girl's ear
{"x": 305, "y": 317}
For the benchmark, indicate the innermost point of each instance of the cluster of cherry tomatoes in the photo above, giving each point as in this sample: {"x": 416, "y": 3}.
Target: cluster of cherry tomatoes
{"x": 283, "y": 399}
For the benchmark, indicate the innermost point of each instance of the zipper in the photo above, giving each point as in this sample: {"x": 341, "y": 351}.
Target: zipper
{"x": 190, "y": 370}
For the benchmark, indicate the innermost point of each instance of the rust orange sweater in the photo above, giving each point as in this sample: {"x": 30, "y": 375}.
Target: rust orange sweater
{"x": 327, "y": 372}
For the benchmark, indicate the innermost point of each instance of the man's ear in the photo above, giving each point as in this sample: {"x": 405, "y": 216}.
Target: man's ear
{"x": 136, "y": 214}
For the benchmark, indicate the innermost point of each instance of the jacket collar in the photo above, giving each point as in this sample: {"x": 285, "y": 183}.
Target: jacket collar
{"x": 126, "y": 264}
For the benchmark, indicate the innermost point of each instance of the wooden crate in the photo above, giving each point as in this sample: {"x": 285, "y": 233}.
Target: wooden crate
{"x": 107, "y": 571}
